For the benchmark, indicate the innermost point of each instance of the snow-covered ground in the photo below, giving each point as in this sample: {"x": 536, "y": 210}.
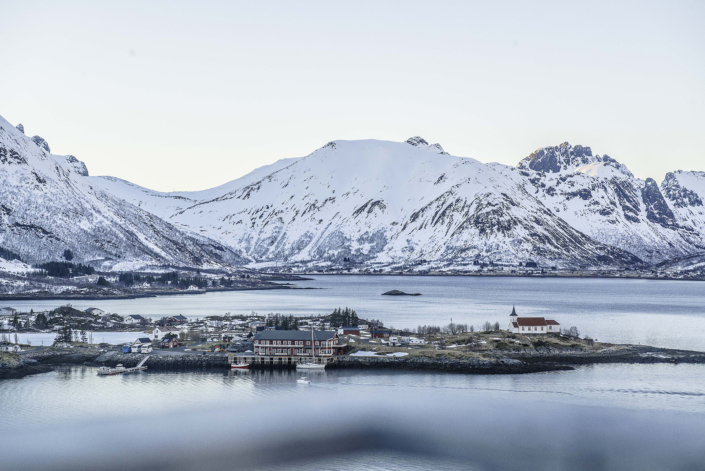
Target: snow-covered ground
{"x": 46, "y": 339}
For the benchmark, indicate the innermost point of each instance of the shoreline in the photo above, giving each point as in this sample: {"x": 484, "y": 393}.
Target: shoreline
{"x": 503, "y": 275}
{"x": 33, "y": 297}
{"x": 494, "y": 363}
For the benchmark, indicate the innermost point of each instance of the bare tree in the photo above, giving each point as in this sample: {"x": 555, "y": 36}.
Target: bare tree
{"x": 487, "y": 327}
{"x": 496, "y": 326}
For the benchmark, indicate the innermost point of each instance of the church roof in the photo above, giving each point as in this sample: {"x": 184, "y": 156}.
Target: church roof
{"x": 514, "y": 312}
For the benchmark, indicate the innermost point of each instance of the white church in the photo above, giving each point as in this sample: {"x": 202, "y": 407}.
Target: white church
{"x": 532, "y": 325}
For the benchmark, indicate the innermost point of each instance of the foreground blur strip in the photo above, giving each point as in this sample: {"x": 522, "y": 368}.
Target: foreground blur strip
{"x": 487, "y": 432}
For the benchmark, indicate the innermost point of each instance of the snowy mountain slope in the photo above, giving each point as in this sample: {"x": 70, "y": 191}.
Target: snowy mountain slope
{"x": 388, "y": 202}
{"x": 601, "y": 198}
{"x": 47, "y": 205}
{"x": 164, "y": 204}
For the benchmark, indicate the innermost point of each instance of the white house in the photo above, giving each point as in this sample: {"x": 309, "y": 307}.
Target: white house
{"x": 192, "y": 288}
{"x": 133, "y": 319}
{"x": 532, "y": 325}
{"x": 10, "y": 347}
{"x": 95, "y": 311}
{"x": 415, "y": 341}
{"x": 160, "y": 332}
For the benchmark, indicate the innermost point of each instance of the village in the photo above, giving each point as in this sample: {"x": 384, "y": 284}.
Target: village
{"x": 274, "y": 339}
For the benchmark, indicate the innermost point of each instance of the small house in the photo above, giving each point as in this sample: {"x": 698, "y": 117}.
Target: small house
{"x": 141, "y": 341}
{"x": 10, "y": 347}
{"x": 134, "y": 319}
{"x": 380, "y": 333}
{"x": 160, "y": 332}
{"x": 168, "y": 342}
{"x": 95, "y": 311}
{"x": 349, "y": 330}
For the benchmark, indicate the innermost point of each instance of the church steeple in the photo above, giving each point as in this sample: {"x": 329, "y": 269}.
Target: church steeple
{"x": 514, "y": 313}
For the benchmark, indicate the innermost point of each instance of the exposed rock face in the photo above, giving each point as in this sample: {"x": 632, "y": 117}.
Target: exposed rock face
{"x": 679, "y": 196}
{"x": 555, "y": 159}
{"x": 41, "y": 143}
{"x": 20, "y": 127}
{"x": 657, "y": 209}
{"x": 78, "y": 166}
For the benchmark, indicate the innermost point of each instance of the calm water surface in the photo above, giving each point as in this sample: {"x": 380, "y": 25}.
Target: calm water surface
{"x": 77, "y": 394}
{"x": 654, "y": 312}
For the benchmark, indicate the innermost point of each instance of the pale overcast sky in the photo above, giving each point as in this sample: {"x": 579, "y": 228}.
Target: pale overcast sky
{"x": 189, "y": 95}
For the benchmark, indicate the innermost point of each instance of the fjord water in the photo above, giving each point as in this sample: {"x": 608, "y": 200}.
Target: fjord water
{"x": 662, "y": 313}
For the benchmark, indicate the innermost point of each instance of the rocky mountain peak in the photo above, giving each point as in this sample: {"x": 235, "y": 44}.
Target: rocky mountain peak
{"x": 416, "y": 141}
{"x": 420, "y": 142}
{"x": 41, "y": 143}
{"x": 20, "y": 127}
{"x": 677, "y": 194}
{"x": 76, "y": 165}
{"x": 567, "y": 158}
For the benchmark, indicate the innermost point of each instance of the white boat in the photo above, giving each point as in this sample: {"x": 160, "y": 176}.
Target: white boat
{"x": 311, "y": 365}
{"x": 303, "y": 381}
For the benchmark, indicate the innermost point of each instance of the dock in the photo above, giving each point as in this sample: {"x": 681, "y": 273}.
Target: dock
{"x": 277, "y": 361}
{"x": 119, "y": 369}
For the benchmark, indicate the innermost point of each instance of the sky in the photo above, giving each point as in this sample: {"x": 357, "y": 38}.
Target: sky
{"x": 189, "y": 95}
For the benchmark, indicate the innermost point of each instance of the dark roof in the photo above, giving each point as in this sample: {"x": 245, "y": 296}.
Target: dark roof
{"x": 551, "y": 322}
{"x": 350, "y": 327}
{"x": 514, "y": 312}
{"x": 531, "y": 321}
{"x": 167, "y": 339}
{"x": 180, "y": 318}
{"x": 294, "y": 335}
{"x": 380, "y": 331}
{"x": 143, "y": 340}
{"x": 135, "y": 316}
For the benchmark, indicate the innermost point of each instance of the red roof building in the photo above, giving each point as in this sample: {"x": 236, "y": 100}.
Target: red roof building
{"x": 532, "y": 325}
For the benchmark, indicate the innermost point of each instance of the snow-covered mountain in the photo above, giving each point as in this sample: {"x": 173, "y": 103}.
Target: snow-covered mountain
{"x": 48, "y": 204}
{"x": 601, "y": 198}
{"x": 385, "y": 203}
{"x": 370, "y": 203}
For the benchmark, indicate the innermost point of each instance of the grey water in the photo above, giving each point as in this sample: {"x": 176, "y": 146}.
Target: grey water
{"x": 662, "y": 313}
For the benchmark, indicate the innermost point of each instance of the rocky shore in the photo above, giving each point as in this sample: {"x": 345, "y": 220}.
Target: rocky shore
{"x": 494, "y": 362}
{"x": 14, "y": 366}
{"x": 186, "y": 361}
{"x": 446, "y": 364}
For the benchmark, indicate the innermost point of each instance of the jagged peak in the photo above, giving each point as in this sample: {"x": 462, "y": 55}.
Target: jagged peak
{"x": 41, "y": 143}
{"x": 421, "y": 143}
{"x": 416, "y": 141}
{"x": 72, "y": 163}
{"x": 20, "y": 127}
{"x": 567, "y": 158}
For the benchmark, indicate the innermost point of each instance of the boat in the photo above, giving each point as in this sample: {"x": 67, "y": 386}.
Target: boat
{"x": 311, "y": 365}
{"x": 239, "y": 366}
{"x": 303, "y": 380}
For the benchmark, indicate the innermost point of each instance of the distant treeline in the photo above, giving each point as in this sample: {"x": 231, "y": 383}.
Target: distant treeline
{"x": 8, "y": 254}
{"x": 65, "y": 269}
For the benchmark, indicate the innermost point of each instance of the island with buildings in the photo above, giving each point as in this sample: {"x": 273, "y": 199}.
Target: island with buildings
{"x": 342, "y": 340}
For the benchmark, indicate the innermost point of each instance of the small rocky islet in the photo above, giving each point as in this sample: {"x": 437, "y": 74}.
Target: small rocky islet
{"x": 396, "y": 292}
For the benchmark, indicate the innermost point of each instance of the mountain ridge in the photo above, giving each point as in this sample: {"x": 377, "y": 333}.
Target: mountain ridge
{"x": 374, "y": 204}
